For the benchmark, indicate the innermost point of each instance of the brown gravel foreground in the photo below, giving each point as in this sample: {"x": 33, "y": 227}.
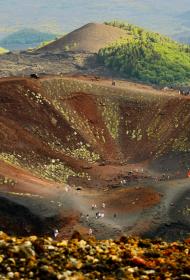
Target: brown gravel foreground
{"x": 127, "y": 258}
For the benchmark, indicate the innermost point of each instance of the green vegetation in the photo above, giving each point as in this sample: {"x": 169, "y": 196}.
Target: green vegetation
{"x": 6, "y": 181}
{"x": 2, "y": 51}
{"x": 110, "y": 113}
{"x": 147, "y": 56}
{"x": 43, "y": 44}
{"x": 46, "y": 168}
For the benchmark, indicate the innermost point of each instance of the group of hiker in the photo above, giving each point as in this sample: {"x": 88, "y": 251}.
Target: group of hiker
{"x": 95, "y": 78}
{"x": 97, "y": 215}
{"x": 184, "y": 92}
{"x": 181, "y": 90}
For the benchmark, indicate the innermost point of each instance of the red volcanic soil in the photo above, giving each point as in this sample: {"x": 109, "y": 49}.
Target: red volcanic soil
{"x": 87, "y": 109}
{"x": 21, "y": 114}
{"x": 133, "y": 199}
{"x": 25, "y": 181}
{"x": 124, "y": 145}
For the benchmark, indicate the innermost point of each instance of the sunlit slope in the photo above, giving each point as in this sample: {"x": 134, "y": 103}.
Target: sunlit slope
{"x": 3, "y": 51}
{"x": 63, "y": 127}
{"x": 147, "y": 56}
{"x": 89, "y": 38}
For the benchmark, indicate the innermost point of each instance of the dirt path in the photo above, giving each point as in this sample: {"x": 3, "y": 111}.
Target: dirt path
{"x": 138, "y": 209}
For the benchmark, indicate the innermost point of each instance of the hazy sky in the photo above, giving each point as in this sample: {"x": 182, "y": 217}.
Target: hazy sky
{"x": 64, "y": 15}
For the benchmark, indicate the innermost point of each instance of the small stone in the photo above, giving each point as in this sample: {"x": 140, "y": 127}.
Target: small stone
{"x": 138, "y": 260}
{"x": 17, "y": 275}
{"x": 67, "y": 273}
{"x": 12, "y": 260}
{"x": 1, "y": 258}
{"x": 22, "y": 269}
{"x": 10, "y": 275}
{"x": 149, "y": 272}
{"x": 45, "y": 267}
{"x": 8, "y": 268}
{"x": 185, "y": 276}
{"x": 27, "y": 243}
{"x": 131, "y": 270}
{"x": 50, "y": 247}
{"x": 186, "y": 251}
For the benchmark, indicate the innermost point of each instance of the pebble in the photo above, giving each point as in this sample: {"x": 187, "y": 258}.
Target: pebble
{"x": 148, "y": 272}
{"x": 10, "y": 275}
{"x": 76, "y": 258}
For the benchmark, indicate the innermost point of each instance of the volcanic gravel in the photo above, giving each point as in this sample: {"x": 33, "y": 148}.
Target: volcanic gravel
{"x": 127, "y": 258}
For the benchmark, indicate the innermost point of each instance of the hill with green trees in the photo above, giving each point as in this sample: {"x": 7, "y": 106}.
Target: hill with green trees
{"x": 25, "y": 38}
{"x": 147, "y": 57}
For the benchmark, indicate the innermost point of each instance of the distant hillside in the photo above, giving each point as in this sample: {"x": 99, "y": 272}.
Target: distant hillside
{"x": 184, "y": 18}
{"x": 89, "y": 38}
{"x": 25, "y": 38}
{"x": 183, "y": 37}
{"x": 65, "y": 16}
{"x": 148, "y": 57}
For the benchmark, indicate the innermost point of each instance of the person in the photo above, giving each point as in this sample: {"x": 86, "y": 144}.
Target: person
{"x": 56, "y": 232}
{"x": 90, "y": 231}
{"x": 94, "y": 206}
{"x": 87, "y": 217}
{"x": 98, "y": 215}
{"x": 103, "y": 205}
{"x": 34, "y": 76}
{"x": 113, "y": 83}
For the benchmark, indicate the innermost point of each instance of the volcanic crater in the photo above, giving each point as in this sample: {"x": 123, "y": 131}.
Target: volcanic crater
{"x": 69, "y": 142}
